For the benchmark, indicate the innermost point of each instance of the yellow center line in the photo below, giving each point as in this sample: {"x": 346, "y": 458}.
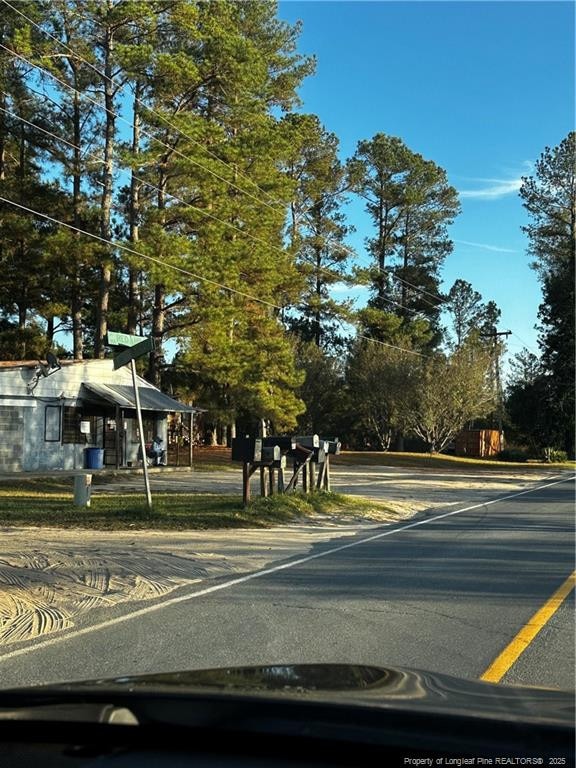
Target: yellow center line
{"x": 514, "y": 649}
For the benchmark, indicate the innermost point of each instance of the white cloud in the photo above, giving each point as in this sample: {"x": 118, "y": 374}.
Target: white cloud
{"x": 486, "y": 246}
{"x": 498, "y": 188}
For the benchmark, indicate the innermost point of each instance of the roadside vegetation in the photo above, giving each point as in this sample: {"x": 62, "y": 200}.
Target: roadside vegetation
{"x": 442, "y": 461}
{"x": 49, "y": 502}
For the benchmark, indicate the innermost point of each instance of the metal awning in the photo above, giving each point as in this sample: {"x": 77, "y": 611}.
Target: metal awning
{"x": 151, "y": 399}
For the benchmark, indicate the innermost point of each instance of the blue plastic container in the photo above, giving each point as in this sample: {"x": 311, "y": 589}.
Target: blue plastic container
{"x": 94, "y": 458}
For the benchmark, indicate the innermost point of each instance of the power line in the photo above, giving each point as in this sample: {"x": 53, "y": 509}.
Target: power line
{"x": 200, "y": 210}
{"x": 142, "y": 181}
{"x": 121, "y": 87}
{"x": 39, "y": 127}
{"x": 389, "y": 301}
{"x": 383, "y": 343}
{"x": 142, "y": 255}
{"x": 143, "y": 131}
{"x": 181, "y": 270}
{"x": 527, "y": 346}
{"x": 401, "y": 280}
{"x": 203, "y": 212}
{"x": 186, "y": 157}
{"x": 196, "y": 276}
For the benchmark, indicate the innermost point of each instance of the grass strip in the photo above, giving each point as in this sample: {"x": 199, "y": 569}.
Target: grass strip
{"x": 440, "y": 461}
{"x": 48, "y": 503}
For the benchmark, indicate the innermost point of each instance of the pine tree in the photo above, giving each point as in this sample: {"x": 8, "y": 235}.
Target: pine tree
{"x": 411, "y": 204}
{"x": 549, "y": 197}
{"x": 317, "y": 228}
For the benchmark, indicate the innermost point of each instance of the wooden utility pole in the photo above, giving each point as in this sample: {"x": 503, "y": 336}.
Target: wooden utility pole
{"x": 495, "y": 335}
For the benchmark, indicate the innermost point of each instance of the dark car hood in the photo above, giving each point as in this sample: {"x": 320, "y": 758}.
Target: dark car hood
{"x": 375, "y": 687}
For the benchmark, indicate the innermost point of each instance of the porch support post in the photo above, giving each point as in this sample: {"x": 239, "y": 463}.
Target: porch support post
{"x": 117, "y": 435}
{"x": 190, "y": 426}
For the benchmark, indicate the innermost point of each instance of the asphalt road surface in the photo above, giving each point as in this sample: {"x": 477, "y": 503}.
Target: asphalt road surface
{"x": 447, "y": 592}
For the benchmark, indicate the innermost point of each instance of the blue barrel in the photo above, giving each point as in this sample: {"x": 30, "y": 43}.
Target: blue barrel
{"x": 94, "y": 458}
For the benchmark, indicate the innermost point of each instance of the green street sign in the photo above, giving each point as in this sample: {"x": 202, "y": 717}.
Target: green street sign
{"x": 133, "y": 353}
{"x": 115, "y": 339}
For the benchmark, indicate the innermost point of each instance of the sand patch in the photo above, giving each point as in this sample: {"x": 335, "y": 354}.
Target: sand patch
{"x": 44, "y": 591}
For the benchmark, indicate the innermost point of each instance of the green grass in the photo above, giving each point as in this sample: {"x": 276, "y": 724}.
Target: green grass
{"x": 47, "y": 502}
{"x": 438, "y": 461}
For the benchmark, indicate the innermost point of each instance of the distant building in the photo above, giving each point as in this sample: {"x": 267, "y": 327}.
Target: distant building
{"x": 48, "y": 418}
{"x": 479, "y": 443}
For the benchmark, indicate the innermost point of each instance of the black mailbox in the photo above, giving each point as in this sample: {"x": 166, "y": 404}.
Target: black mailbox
{"x": 270, "y": 454}
{"x": 308, "y": 441}
{"x": 247, "y": 449}
{"x": 300, "y": 453}
{"x": 285, "y": 443}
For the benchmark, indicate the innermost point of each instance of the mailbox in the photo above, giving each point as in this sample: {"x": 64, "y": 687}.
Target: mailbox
{"x": 270, "y": 454}
{"x": 247, "y": 449}
{"x": 300, "y": 453}
{"x": 285, "y": 443}
{"x": 308, "y": 441}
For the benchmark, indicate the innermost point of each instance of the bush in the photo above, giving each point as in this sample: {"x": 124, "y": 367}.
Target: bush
{"x": 513, "y": 454}
{"x": 554, "y": 456}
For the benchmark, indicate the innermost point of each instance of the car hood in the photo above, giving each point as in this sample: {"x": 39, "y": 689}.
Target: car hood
{"x": 368, "y": 686}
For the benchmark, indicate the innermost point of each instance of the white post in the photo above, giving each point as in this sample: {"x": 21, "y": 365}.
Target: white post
{"x": 141, "y": 431}
{"x": 82, "y": 489}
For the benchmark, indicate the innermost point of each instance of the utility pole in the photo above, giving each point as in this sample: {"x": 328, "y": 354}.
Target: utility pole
{"x": 495, "y": 335}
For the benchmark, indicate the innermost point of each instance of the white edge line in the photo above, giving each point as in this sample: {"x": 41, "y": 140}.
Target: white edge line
{"x": 257, "y": 574}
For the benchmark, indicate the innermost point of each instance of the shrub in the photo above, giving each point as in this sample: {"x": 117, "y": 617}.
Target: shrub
{"x": 513, "y": 454}
{"x": 554, "y": 456}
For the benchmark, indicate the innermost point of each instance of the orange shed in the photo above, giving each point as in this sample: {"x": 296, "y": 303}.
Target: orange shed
{"x": 479, "y": 443}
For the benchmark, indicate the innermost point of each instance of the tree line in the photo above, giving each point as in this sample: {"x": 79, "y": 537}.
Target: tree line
{"x": 158, "y": 177}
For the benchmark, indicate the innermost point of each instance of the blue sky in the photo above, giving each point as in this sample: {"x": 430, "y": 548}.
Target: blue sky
{"x": 478, "y": 87}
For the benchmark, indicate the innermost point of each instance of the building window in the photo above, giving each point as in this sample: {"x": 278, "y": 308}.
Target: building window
{"x": 52, "y": 423}
{"x": 74, "y": 426}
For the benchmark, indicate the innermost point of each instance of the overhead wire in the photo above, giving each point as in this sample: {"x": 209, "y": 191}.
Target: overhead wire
{"x": 440, "y": 300}
{"x": 200, "y": 210}
{"x": 168, "y": 194}
{"x": 143, "y": 131}
{"x": 148, "y": 184}
{"x": 157, "y": 114}
{"x": 194, "y": 141}
{"x": 141, "y": 254}
{"x": 181, "y": 270}
{"x": 197, "y": 276}
{"x": 526, "y": 345}
{"x": 383, "y": 343}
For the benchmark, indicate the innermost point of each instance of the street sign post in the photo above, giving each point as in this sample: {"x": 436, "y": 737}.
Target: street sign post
{"x": 136, "y": 346}
{"x": 115, "y": 339}
{"x": 133, "y": 353}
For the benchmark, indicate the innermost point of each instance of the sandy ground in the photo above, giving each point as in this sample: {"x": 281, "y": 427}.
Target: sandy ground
{"x": 51, "y": 578}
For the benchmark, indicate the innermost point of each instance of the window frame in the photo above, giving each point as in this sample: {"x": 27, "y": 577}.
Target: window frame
{"x": 52, "y": 428}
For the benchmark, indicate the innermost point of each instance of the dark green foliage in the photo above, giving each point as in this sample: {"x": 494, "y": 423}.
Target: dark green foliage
{"x": 518, "y": 455}
{"x": 411, "y": 205}
{"x": 550, "y": 199}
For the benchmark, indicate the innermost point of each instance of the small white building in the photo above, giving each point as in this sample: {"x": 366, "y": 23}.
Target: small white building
{"x": 48, "y": 421}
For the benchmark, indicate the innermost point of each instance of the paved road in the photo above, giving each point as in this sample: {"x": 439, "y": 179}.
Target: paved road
{"x": 445, "y": 592}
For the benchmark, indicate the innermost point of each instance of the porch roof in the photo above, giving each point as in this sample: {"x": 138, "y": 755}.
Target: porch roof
{"x": 151, "y": 399}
